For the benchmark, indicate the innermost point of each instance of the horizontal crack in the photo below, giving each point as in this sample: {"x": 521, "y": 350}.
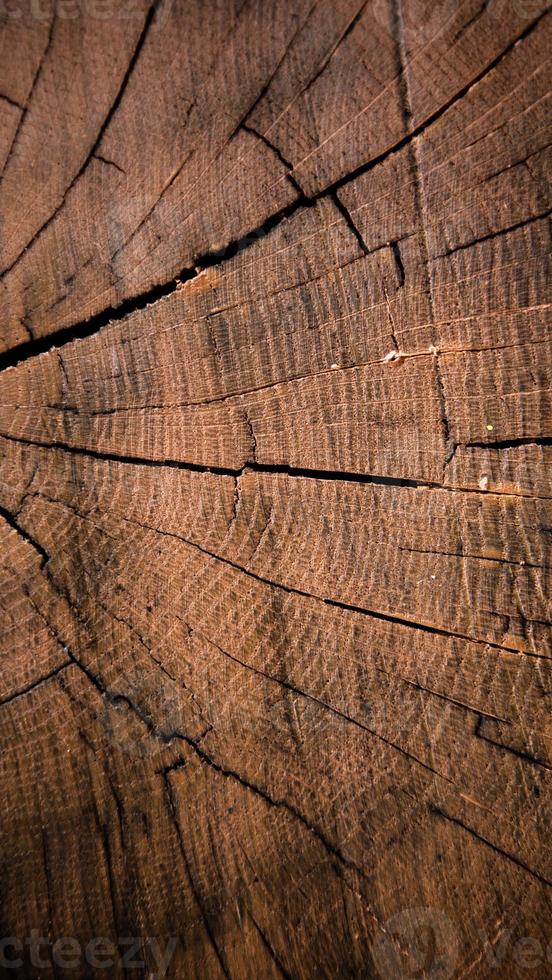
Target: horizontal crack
{"x": 312, "y": 474}
{"x": 233, "y": 395}
{"x": 508, "y": 443}
{"x": 465, "y": 555}
{"x": 275, "y": 468}
{"x": 113, "y": 314}
{"x": 443, "y": 697}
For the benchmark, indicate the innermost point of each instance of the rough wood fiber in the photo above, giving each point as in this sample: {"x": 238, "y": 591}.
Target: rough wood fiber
{"x": 275, "y": 496}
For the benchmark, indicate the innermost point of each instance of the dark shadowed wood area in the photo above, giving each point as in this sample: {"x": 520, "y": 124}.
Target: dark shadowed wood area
{"x": 275, "y": 489}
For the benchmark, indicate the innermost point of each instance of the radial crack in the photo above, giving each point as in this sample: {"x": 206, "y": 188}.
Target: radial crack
{"x": 91, "y": 153}
{"x": 350, "y": 223}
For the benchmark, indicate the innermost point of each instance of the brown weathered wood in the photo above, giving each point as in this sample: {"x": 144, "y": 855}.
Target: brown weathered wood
{"x": 275, "y": 489}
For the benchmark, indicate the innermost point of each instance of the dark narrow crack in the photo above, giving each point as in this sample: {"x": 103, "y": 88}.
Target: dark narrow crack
{"x": 109, "y": 163}
{"x": 469, "y": 23}
{"x": 270, "y": 949}
{"x": 253, "y": 440}
{"x": 516, "y": 163}
{"x": 49, "y": 877}
{"x": 86, "y": 328}
{"x": 11, "y": 519}
{"x": 412, "y": 624}
{"x": 12, "y": 102}
{"x": 103, "y": 830}
{"x": 498, "y": 850}
{"x": 277, "y": 469}
{"x": 240, "y": 125}
{"x": 65, "y": 380}
{"x": 450, "y": 445}
{"x": 271, "y": 801}
{"x": 273, "y": 678}
{"x": 27, "y": 326}
{"x": 31, "y": 687}
{"x": 112, "y": 697}
{"x": 343, "y": 37}
{"x": 148, "y": 20}
{"x": 331, "y": 708}
{"x": 114, "y": 314}
{"x": 482, "y": 715}
{"x": 519, "y": 753}
{"x": 259, "y": 791}
{"x": 94, "y": 324}
{"x": 419, "y": 195}
{"x": 397, "y": 28}
{"x": 335, "y": 603}
{"x": 495, "y": 234}
{"x": 347, "y": 216}
{"x": 179, "y": 763}
{"x": 394, "y": 354}
{"x": 252, "y": 466}
{"x": 272, "y": 146}
{"x": 258, "y": 98}
{"x": 508, "y": 443}
{"x": 193, "y": 744}
{"x": 412, "y": 133}
{"x": 204, "y": 915}
{"x": 214, "y": 257}
{"x": 463, "y": 555}
{"x": 74, "y": 660}
{"x": 395, "y": 248}
{"x": 135, "y": 231}
{"x": 28, "y": 100}
{"x": 214, "y": 344}
{"x": 235, "y": 501}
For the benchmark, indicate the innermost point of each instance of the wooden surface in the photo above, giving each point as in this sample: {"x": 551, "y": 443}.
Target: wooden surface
{"x": 275, "y": 442}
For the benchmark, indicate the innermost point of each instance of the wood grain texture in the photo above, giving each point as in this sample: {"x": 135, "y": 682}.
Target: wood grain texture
{"x": 275, "y": 495}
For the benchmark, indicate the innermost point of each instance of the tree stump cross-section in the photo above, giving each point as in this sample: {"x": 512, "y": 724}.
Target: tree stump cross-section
{"x": 275, "y": 447}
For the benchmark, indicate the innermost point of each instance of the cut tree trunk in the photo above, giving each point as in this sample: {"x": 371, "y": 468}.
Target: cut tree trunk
{"x": 275, "y": 441}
